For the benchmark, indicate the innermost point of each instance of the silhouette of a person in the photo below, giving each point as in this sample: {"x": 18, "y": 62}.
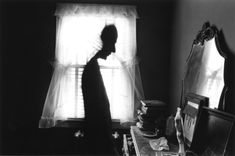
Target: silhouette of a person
{"x": 98, "y": 124}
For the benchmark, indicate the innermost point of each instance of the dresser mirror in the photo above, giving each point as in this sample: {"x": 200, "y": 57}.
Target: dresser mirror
{"x": 204, "y": 74}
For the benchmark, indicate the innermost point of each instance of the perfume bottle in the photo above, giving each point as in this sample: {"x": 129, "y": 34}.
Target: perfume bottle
{"x": 179, "y": 131}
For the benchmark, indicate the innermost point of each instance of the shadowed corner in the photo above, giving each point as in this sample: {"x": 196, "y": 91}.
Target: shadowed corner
{"x": 229, "y": 77}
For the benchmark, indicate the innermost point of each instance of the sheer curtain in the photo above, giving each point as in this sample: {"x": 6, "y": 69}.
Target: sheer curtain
{"x": 78, "y": 39}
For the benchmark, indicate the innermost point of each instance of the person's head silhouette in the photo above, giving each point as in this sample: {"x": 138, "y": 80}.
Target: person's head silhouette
{"x": 108, "y": 37}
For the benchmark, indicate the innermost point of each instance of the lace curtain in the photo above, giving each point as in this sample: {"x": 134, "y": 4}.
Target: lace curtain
{"x": 78, "y": 39}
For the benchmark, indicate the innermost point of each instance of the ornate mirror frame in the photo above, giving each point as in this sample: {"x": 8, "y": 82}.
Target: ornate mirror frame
{"x": 204, "y": 74}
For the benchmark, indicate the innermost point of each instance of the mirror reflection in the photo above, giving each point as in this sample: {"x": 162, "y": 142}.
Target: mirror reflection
{"x": 205, "y": 68}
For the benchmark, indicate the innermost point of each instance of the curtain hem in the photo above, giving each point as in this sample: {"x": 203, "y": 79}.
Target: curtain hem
{"x": 47, "y": 122}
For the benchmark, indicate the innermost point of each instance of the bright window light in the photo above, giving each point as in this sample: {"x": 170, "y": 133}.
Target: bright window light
{"x": 78, "y": 41}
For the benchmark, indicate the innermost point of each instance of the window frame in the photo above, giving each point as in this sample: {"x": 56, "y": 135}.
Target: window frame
{"x": 52, "y": 114}
{"x": 78, "y": 123}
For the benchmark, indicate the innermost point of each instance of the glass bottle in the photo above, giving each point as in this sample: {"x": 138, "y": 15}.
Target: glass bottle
{"x": 179, "y": 131}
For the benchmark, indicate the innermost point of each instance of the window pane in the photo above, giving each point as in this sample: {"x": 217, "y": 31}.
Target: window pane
{"x": 71, "y": 100}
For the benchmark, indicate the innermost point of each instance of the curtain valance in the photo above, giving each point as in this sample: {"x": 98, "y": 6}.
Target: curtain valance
{"x": 96, "y": 10}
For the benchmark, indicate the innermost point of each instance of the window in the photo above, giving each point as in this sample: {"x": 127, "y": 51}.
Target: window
{"x": 78, "y": 39}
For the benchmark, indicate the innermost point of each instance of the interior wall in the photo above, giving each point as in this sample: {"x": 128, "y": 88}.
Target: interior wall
{"x": 190, "y": 15}
{"x": 154, "y": 35}
{"x": 28, "y": 41}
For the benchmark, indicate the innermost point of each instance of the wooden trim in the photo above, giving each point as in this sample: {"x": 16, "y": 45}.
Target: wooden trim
{"x": 135, "y": 143}
{"x": 79, "y": 123}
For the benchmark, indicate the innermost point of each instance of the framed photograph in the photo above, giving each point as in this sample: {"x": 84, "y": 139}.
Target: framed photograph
{"x": 191, "y": 112}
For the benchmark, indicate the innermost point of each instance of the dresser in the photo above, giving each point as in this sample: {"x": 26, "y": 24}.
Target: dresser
{"x": 143, "y": 148}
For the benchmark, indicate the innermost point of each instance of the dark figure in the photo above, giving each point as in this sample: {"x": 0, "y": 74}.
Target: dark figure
{"x": 98, "y": 124}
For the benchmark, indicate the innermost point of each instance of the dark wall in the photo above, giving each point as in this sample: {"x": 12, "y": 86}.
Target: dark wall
{"x": 28, "y": 46}
{"x": 28, "y": 39}
{"x": 153, "y": 48}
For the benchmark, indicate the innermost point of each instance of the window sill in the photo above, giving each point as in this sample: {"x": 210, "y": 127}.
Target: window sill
{"x": 79, "y": 124}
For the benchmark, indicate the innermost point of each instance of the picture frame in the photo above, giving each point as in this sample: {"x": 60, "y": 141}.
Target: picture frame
{"x": 216, "y": 132}
{"x": 193, "y": 104}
